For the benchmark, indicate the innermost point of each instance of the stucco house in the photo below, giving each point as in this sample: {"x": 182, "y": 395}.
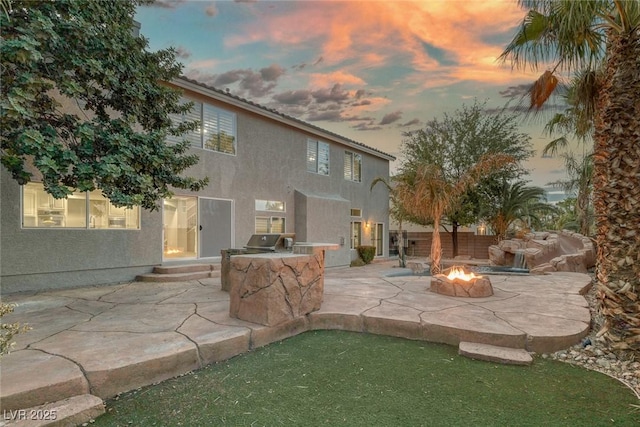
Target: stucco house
{"x": 269, "y": 173}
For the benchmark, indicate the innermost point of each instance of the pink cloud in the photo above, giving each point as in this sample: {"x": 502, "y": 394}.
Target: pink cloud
{"x": 329, "y": 79}
{"x": 375, "y": 34}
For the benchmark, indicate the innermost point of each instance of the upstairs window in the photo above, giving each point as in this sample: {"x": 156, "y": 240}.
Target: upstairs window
{"x": 216, "y": 130}
{"x": 352, "y": 166}
{"x": 318, "y": 157}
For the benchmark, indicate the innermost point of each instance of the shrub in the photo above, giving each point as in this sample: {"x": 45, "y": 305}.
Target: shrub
{"x": 8, "y": 330}
{"x": 366, "y": 253}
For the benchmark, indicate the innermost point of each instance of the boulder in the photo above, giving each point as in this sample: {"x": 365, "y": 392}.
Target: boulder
{"x": 510, "y": 245}
{"x": 542, "y": 269}
{"x": 496, "y": 255}
{"x": 416, "y": 267}
{"x": 532, "y": 256}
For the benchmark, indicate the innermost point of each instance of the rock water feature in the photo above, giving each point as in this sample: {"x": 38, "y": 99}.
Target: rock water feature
{"x": 461, "y": 282}
{"x": 544, "y": 252}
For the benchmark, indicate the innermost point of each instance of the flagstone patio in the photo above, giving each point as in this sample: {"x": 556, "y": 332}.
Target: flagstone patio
{"x": 101, "y": 341}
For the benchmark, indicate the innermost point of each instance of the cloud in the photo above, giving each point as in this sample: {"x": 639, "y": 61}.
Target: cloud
{"x": 367, "y": 126}
{"x": 516, "y": 91}
{"x": 335, "y": 94}
{"x": 414, "y": 122}
{"x": 335, "y": 77}
{"x": 183, "y": 52}
{"x": 211, "y": 10}
{"x": 329, "y": 116}
{"x": 391, "y": 117}
{"x": 272, "y": 73}
{"x": 294, "y": 97}
{"x": 249, "y": 82}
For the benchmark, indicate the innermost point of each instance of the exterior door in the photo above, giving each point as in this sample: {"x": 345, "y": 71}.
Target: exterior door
{"x": 179, "y": 226}
{"x": 216, "y": 226}
{"x": 378, "y": 238}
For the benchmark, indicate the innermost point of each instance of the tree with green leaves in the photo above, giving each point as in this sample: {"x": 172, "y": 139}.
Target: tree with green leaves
{"x": 83, "y": 104}
{"x": 425, "y": 195}
{"x": 455, "y": 143}
{"x": 517, "y": 203}
{"x": 575, "y": 123}
{"x": 600, "y": 40}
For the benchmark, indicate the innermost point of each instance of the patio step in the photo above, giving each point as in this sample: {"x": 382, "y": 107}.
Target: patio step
{"x": 492, "y": 353}
{"x": 73, "y": 411}
{"x": 179, "y": 273}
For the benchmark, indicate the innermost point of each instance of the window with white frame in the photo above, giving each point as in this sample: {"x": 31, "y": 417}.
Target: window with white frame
{"x": 352, "y": 166}
{"x": 268, "y": 223}
{"x": 356, "y": 227}
{"x": 78, "y": 210}
{"x": 318, "y": 157}
{"x": 216, "y": 130}
{"x": 270, "y": 205}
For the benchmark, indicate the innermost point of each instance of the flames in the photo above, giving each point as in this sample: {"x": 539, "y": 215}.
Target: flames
{"x": 459, "y": 273}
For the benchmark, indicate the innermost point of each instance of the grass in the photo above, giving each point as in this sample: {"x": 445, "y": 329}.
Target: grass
{"x": 349, "y": 379}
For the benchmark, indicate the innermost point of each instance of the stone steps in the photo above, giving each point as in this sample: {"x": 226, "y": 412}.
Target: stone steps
{"x": 179, "y": 273}
{"x": 73, "y": 411}
{"x": 492, "y": 353}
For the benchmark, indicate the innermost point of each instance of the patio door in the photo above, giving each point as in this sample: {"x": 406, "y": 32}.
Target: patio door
{"x": 180, "y": 227}
{"x": 215, "y": 226}
{"x": 378, "y": 238}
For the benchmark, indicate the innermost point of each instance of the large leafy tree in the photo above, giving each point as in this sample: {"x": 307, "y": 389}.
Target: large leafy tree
{"x": 83, "y": 105}
{"x": 600, "y": 38}
{"x": 455, "y": 144}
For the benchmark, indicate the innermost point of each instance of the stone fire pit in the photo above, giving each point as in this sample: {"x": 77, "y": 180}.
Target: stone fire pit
{"x": 461, "y": 282}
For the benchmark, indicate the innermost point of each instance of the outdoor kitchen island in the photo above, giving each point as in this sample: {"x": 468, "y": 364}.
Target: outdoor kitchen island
{"x": 273, "y": 287}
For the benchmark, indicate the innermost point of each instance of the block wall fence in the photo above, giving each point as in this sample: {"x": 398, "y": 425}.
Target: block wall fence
{"x": 418, "y": 244}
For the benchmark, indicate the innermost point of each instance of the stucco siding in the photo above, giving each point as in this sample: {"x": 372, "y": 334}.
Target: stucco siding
{"x": 269, "y": 164}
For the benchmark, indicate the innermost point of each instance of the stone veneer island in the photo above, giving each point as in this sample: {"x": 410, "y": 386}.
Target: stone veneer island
{"x": 272, "y": 288}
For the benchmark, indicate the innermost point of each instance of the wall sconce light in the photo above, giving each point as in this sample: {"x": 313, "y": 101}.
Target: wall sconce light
{"x": 367, "y": 224}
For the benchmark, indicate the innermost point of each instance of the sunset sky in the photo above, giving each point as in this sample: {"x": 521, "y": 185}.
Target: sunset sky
{"x": 367, "y": 70}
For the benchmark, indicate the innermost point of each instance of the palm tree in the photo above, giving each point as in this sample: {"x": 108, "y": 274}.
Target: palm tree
{"x": 576, "y": 120}
{"x": 517, "y": 203}
{"x": 426, "y": 195}
{"x": 599, "y": 38}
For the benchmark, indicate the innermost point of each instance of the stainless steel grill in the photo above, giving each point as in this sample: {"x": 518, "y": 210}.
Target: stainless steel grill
{"x": 269, "y": 243}
{"x": 258, "y": 243}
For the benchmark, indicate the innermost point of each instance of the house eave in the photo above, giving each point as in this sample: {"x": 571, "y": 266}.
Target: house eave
{"x": 274, "y": 115}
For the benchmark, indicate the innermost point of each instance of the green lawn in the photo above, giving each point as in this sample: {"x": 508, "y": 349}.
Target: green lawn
{"x": 339, "y": 378}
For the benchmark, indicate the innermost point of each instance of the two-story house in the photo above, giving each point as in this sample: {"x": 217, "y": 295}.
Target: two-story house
{"x": 269, "y": 173}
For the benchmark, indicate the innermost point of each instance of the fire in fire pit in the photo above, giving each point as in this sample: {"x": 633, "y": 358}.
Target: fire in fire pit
{"x": 460, "y": 282}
